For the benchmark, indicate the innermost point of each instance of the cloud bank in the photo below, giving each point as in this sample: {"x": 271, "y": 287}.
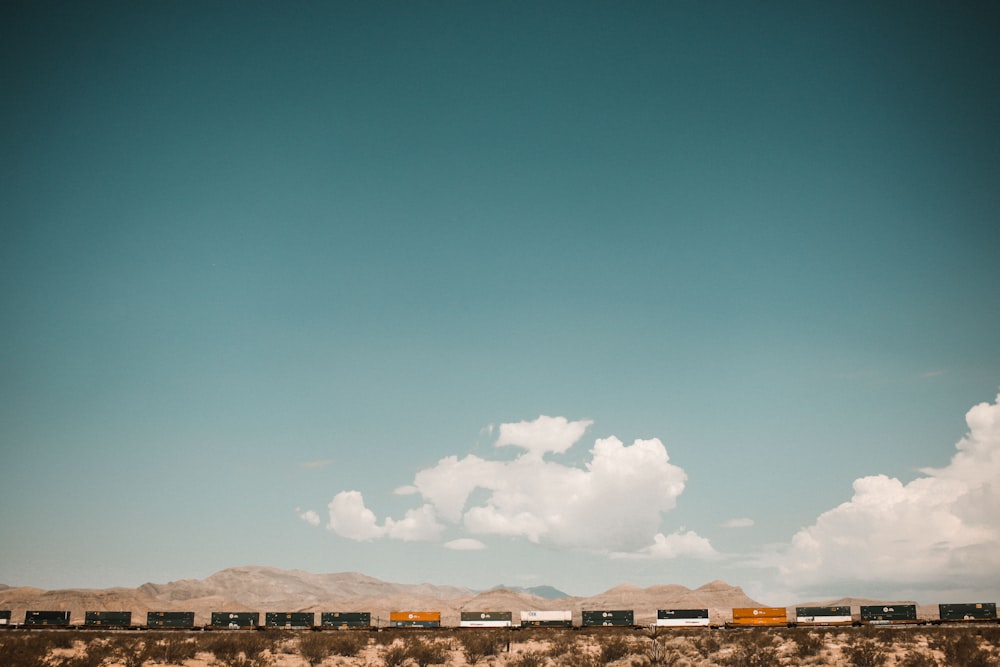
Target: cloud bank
{"x": 941, "y": 530}
{"x": 613, "y": 504}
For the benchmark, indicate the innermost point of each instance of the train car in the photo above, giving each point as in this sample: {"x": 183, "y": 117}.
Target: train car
{"x": 823, "y": 615}
{"x": 289, "y": 619}
{"x": 759, "y": 616}
{"x": 682, "y": 618}
{"x": 47, "y": 618}
{"x": 4, "y": 616}
{"x": 108, "y": 619}
{"x": 415, "y": 619}
{"x": 968, "y": 612}
{"x": 888, "y": 614}
{"x": 235, "y": 619}
{"x": 548, "y": 619}
{"x": 486, "y": 619}
{"x": 345, "y": 619}
{"x": 602, "y": 618}
{"x": 170, "y": 619}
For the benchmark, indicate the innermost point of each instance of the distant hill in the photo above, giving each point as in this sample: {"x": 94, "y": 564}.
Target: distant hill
{"x": 264, "y": 589}
{"x": 546, "y": 592}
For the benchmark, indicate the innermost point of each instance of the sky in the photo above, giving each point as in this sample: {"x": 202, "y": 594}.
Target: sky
{"x": 523, "y": 293}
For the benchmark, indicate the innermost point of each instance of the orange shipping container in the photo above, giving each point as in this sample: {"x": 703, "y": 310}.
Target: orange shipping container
{"x": 759, "y": 616}
{"x": 407, "y": 617}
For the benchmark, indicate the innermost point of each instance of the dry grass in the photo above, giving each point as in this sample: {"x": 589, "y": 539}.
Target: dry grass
{"x": 851, "y": 647}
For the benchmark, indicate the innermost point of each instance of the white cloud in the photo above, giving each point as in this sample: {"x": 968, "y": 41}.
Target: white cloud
{"x": 614, "y": 503}
{"x": 937, "y": 530}
{"x": 741, "y": 522}
{"x": 465, "y": 544}
{"x": 543, "y": 435}
{"x": 681, "y": 543}
{"x": 310, "y": 517}
{"x": 317, "y": 464}
{"x": 349, "y": 517}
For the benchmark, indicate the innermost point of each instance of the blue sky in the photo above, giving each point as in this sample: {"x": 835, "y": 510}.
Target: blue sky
{"x": 264, "y": 268}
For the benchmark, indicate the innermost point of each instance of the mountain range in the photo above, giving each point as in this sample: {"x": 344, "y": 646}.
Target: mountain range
{"x": 262, "y": 589}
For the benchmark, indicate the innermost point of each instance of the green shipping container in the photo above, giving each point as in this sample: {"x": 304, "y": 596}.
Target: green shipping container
{"x": 291, "y": 619}
{"x": 235, "y": 619}
{"x": 4, "y": 616}
{"x": 346, "y": 619}
{"x": 46, "y": 618}
{"x": 618, "y": 617}
{"x": 117, "y": 619}
{"x": 975, "y": 611}
{"x": 170, "y": 619}
{"x": 889, "y": 613}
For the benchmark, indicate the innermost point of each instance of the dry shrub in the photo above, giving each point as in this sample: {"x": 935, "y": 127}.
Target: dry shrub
{"x": 528, "y": 659}
{"x": 807, "y": 644}
{"x": 241, "y": 649}
{"x": 918, "y": 659}
{"x": 613, "y": 647}
{"x": 29, "y": 650}
{"x": 865, "y": 654}
{"x": 479, "y": 644}
{"x": 169, "y": 648}
{"x": 964, "y": 649}
{"x": 317, "y": 646}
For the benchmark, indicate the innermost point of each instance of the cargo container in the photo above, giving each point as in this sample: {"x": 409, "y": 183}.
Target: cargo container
{"x": 46, "y": 618}
{"x": 973, "y": 611}
{"x": 823, "y": 615}
{"x": 235, "y": 619}
{"x": 170, "y": 619}
{"x": 877, "y": 614}
{"x": 546, "y": 618}
{"x": 415, "y": 619}
{"x": 289, "y": 619}
{"x": 346, "y": 619}
{"x": 617, "y": 617}
{"x": 114, "y": 619}
{"x": 759, "y": 616}
{"x": 486, "y": 619}
{"x": 682, "y": 618}
{"x": 4, "y": 616}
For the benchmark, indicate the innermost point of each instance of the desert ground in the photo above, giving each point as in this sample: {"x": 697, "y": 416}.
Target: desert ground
{"x": 916, "y": 646}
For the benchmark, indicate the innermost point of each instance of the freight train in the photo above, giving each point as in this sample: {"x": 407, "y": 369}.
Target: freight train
{"x": 742, "y": 617}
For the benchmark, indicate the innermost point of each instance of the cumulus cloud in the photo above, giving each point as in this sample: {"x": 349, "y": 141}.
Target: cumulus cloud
{"x": 465, "y": 544}
{"x": 349, "y": 517}
{"x": 675, "y": 545}
{"x": 741, "y": 522}
{"x": 543, "y": 435}
{"x": 309, "y": 516}
{"x": 614, "y": 503}
{"x": 936, "y": 530}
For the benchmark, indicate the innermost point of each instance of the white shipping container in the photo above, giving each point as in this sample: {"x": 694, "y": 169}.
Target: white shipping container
{"x": 484, "y": 624}
{"x": 681, "y": 622}
{"x": 820, "y": 620}
{"x": 546, "y": 616}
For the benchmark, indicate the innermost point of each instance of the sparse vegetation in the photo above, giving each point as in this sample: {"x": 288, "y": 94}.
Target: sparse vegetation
{"x": 479, "y": 644}
{"x": 317, "y": 646}
{"x": 865, "y": 654}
